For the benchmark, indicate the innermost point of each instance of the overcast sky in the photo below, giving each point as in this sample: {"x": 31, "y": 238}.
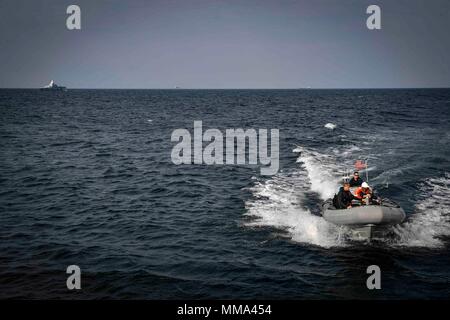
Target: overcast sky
{"x": 225, "y": 44}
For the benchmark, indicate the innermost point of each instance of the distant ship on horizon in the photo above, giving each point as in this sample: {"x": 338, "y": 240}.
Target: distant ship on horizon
{"x": 52, "y": 86}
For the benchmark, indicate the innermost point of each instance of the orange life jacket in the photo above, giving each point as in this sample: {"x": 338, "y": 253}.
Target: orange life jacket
{"x": 360, "y": 192}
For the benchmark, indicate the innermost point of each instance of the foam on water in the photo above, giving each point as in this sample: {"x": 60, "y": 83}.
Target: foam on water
{"x": 322, "y": 171}
{"x": 430, "y": 221}
{"x": 278, "y": 203}
{"x": 330, "y": 126}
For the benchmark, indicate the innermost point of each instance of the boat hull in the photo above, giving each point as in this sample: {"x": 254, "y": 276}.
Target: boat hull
{"x": 54, "y": 89}
{"x": 388, "y": 213}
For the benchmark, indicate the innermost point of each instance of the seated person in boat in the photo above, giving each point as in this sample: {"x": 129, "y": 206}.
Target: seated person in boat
{"x": 343, "y": 200}
{"x": 365, "y": 194}
{"x": 356, "y": 180}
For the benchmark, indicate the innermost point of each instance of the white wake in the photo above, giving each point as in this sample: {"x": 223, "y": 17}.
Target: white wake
{"x": 278, "y": 203}
{"x": 430, "y": 221}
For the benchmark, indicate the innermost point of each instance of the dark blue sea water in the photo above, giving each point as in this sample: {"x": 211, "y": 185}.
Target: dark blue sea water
{"x": 86, "y": 178}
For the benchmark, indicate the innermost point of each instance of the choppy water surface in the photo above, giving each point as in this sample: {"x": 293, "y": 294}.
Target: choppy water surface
{"x": 86, "y": 178}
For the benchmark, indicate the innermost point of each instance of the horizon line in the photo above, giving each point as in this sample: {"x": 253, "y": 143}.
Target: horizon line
{"x": 291, "y": 88}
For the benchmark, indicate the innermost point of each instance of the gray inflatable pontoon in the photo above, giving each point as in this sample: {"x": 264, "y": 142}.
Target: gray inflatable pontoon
{"x": 363, "y": 219}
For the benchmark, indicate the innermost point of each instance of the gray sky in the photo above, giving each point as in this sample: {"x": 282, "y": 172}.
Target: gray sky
{"x": 225, "y": 44}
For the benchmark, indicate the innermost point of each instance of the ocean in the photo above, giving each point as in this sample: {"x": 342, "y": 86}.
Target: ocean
{"x": 86, "y": 179}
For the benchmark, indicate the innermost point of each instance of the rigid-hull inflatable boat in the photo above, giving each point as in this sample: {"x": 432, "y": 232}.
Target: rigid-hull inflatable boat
{"x": 363, "y": 220}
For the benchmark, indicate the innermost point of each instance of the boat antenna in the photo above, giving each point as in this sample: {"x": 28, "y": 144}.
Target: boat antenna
{"x": 367, "y": 170}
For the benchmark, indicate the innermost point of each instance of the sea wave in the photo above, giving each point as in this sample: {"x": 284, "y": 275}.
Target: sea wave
{"x": 279, "y": 203}
{"x": 430, "y": 222}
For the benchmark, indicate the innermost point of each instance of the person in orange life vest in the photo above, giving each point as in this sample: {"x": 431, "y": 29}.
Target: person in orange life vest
{"x": 363, "y": 191}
